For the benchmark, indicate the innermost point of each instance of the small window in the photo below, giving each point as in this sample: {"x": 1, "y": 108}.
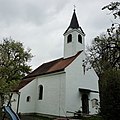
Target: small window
{"x": 40, "y": 92}
{"x": 94, "y": 102}
{"x": 28, "y": 99}
{"x": 69, "y": 38}
{"x": 80, "y": 38}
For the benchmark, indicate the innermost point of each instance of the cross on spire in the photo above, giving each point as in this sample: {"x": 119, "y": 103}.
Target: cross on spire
{"x": 74, "y": 7}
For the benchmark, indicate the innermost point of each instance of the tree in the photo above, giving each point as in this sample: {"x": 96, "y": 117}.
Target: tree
{"x": 104, "y": 53}
{"x": 110, "y": 97}
{"x": 104, "y": 56}
{"x": 113, "y": 7}
{"x": 13, "y": 65}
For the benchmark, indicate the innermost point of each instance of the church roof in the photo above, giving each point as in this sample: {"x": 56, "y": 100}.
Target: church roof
{"x": 47, "y": 68}
{"x": 23, "y": 83}
{"x": 74, "y": 23}
{"x": 53, "y": 66}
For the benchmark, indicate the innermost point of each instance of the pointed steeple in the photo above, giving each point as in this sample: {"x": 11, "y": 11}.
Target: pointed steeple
{"x": 74, "y": 23}
{"x": 73, "y": 38}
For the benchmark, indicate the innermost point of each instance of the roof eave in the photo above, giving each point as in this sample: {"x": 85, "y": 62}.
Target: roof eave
{"x": 68, "y": 31}
{"x": 46, "y": 73}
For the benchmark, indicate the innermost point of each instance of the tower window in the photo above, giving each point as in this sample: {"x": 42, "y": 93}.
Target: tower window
{"x": 40, "y": 92}
{"x": 28, "y": 99}
{"x": 69, "y": 38}
{"x": 80, "y": 38}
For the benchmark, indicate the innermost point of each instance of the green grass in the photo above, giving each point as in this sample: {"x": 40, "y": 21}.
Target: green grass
{"x": 93, "y": 118}
{"x": 34, "y": 117}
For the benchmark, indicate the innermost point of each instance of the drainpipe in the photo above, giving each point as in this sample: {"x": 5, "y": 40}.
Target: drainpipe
{"x": 18, "y": 102}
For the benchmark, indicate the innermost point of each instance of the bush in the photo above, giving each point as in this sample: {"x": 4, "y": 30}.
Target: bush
{"x": 110, "y": 95}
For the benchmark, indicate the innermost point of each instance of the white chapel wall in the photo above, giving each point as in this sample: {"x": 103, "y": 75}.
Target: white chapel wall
{"x": 77, "y": 79}
{"x": 28, "y": 90}
{"x": 73, "y": 80}
{"x": 53, "y": 101}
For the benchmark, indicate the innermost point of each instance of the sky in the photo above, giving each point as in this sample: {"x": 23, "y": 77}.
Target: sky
{"x": 40, "y": 24}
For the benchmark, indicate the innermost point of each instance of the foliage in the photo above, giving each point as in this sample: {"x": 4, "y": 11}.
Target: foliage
{"x": 13, "y": 63}
{"x": 104, "y": 53}
{"x": 114, "y": 8}
{"x": 110, "y": 100}
{"x": 13, "y": 66}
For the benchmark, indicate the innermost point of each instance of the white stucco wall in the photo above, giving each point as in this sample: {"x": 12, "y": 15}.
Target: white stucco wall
{"x": 53, "y": 101}
{"x": 94, "y": 110}
{"x": 73, "y": 47}
{"x": 28, "y": 90}
{"x": 75, "y": 79}
{"x": 60, "y": 91}
{"x": 14, "y": 101}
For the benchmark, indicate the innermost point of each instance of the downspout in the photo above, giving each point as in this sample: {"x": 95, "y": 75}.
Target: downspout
{"x": 18, "y": 102}
{"x": 9, "y": 103}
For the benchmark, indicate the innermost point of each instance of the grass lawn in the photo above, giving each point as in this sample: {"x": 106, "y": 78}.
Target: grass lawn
{"x": 36, "y": 117}
{"x": 93, "y": 118}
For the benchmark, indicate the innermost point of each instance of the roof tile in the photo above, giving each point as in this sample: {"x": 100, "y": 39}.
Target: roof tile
{"x": 52, "y": 66}
{"x": 47, "y": 68}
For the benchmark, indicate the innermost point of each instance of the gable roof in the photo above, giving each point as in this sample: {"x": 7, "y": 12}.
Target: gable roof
{"x": 23, "y": 83}
{"x": 53, "y": 66}
{"x": 47, "y": 68}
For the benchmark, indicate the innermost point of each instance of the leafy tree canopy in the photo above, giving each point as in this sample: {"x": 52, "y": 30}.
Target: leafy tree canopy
{"x": 110, "y": 95}
{"x": 114, "y": 8}
{"x": 13, "y": 63}
{"x": 104, "y": 53}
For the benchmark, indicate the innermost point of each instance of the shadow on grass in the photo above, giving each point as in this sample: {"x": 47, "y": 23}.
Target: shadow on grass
{"x": 34, "y": 117}
{"x": 93, "y": 118}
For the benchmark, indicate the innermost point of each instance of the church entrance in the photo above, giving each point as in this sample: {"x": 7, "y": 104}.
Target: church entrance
{"x": 85, "y": 104}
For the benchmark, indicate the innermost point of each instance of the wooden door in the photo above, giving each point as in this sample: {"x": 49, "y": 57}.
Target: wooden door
{"x": 85, "y": 104}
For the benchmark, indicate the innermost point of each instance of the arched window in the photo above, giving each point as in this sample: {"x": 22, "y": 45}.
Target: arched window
{"x": 28, "y": 99}
{"x": 69, "y": 38}
{"x": 80, "y": 38}
{"x": 40, "y": 92}
{"x": 94, "y": 102}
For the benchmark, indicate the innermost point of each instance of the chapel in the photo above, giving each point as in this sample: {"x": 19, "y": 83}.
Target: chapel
{"x": 62, "y": 86}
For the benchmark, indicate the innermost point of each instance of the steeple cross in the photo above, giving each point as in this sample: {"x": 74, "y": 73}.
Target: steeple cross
{"x": 74, "y": 7}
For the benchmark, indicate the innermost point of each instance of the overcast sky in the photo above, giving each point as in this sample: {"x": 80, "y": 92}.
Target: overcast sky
{"x": 40, "y": 24}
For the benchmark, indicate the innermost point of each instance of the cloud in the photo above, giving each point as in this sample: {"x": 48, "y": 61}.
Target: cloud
{"x": 33, "y": 11}
{"x": 40, "y": 24}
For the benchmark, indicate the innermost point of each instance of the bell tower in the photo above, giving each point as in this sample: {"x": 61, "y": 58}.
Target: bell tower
{"x": 73, "y": 38}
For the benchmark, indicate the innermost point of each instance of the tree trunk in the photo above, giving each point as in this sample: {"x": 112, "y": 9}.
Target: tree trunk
{"x": 1, "y": 105}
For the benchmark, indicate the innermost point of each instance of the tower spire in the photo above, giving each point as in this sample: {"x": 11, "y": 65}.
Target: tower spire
{"x": 74, "y": 22}
{"x": 73, "y": 37}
